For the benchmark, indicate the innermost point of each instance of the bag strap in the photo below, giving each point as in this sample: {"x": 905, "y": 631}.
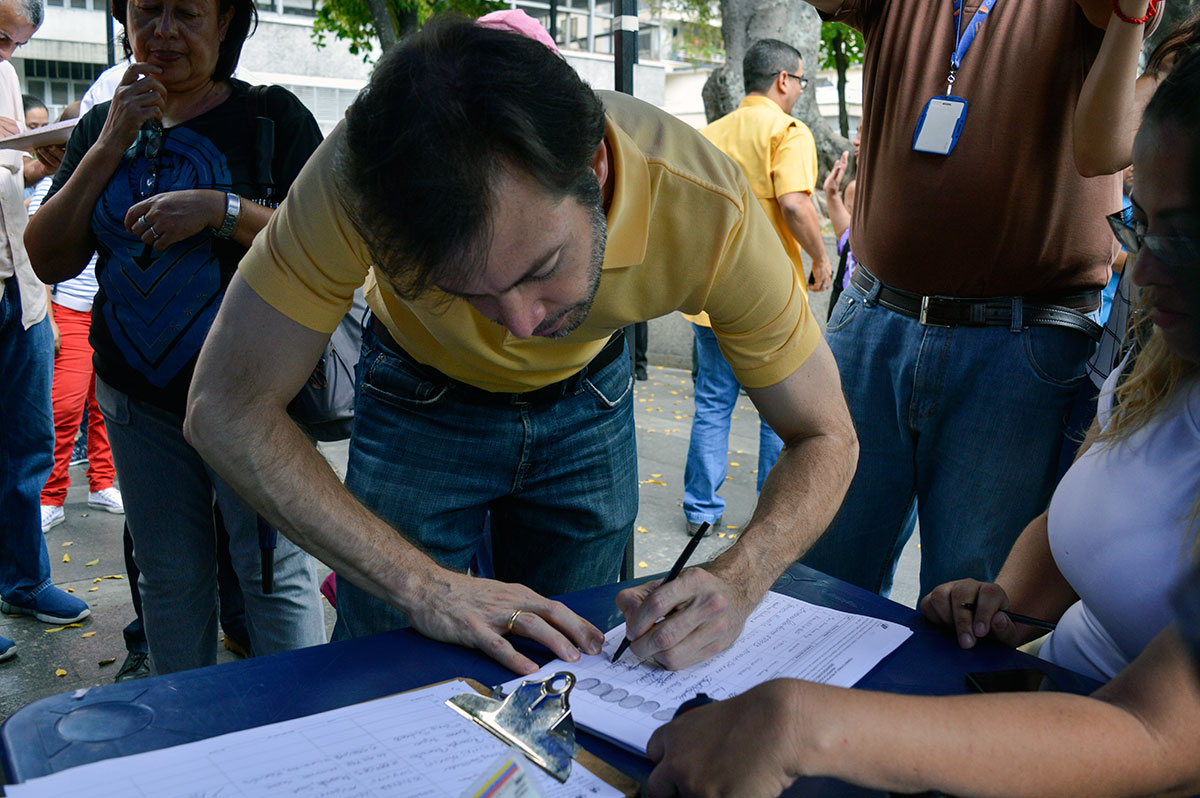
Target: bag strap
{"x": 263, "y": 143}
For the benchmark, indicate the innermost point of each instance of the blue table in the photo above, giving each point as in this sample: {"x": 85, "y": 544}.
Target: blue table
{"x": 113, "y": 720}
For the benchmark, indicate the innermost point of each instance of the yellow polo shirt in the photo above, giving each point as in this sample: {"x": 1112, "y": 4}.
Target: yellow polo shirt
{"x": 684, "y": 233}
{"x": 778, "y": 155}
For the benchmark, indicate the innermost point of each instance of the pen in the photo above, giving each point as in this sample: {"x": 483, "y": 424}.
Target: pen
{"x": 675, "y": 569}
{"x": 1025, "y": 619}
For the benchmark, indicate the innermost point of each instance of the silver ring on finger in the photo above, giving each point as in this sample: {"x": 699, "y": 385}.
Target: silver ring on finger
{"x": 513, "y": 619}
{"x": 142, "y": 221}
{"x": 153, "y": 232}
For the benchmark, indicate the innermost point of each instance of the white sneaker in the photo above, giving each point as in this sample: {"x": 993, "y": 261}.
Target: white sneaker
{"x": 52, "y": 516}
{"x": 108, "y": 499}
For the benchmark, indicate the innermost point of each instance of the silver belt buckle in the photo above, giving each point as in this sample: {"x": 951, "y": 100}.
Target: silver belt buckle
{"x": 924, "y": 317}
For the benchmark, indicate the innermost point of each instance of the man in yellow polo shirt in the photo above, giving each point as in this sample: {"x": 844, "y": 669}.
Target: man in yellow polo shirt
{"x": 508, "y": 222}
{"x": 777, "y": 153}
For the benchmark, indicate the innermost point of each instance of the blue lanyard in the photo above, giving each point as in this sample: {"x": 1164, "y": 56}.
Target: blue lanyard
{"x": 966, "y": 38}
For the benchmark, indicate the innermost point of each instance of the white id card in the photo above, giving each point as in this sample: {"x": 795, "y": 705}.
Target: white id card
{"x": 940, "y": 123}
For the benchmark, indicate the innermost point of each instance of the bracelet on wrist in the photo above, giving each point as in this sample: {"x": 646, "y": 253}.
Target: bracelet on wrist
{"x": 1151, "y": 12}
{"x": 233, "y": 208}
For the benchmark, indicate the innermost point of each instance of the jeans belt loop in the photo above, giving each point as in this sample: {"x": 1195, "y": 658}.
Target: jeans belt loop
{"x": 1018, "y": 315}
{"x": 869, "y": 299}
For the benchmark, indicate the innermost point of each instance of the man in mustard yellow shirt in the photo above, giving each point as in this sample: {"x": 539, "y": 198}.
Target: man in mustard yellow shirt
{"x": 779, "y": 158}
{"x": 508, "y": 222}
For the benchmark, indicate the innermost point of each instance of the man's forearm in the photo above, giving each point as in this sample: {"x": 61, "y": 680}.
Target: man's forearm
{"x": 799, "y": 499}
{"x": 271, "y": 463}
{"x": 805, "y": 226}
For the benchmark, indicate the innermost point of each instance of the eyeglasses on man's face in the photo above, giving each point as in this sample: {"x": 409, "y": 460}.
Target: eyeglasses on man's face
{"x": 1171, "y": 250}
{"x": 803, "y": 81}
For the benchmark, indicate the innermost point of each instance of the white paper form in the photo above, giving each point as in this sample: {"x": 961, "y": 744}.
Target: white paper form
{"x": 409, "y": 745}
{"x": 785, "y": 636}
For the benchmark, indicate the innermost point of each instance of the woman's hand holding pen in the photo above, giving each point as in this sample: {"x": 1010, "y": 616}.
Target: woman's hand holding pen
{"x": 947, "y": 604}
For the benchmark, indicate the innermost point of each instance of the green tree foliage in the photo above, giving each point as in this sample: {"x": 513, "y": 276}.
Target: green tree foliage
{"x": 354, "y": 22}
{"x": 841, "y": 47}
{"x": 697, "y": 35}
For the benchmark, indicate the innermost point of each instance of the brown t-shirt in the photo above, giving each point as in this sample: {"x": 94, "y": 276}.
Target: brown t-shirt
{"x": 1006, "y": 213}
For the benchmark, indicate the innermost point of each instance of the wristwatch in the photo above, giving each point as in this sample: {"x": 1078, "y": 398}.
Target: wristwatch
{"x": 233, "y": 207}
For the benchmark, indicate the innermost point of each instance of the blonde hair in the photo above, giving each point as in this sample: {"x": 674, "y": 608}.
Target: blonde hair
{"x": 1154, "y": 375}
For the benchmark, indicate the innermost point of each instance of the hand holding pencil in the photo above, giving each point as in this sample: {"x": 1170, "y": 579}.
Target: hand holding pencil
{"x": 683, "y": 620}
{"x": 980, "y": 609}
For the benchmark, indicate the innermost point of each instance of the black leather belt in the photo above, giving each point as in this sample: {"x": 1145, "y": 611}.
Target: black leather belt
{"x": 543, "y": 395}
{"x": 950, "y": 311}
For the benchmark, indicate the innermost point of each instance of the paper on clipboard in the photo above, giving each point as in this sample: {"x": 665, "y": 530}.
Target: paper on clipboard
{"x": 45, "y": 136}
{"x": 408, "y": 744}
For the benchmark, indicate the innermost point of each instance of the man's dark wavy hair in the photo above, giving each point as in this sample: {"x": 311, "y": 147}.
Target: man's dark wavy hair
{"x": 445, "y": 113}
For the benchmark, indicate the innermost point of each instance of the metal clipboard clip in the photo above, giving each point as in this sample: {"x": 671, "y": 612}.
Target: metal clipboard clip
{"x": 535, "y": 718}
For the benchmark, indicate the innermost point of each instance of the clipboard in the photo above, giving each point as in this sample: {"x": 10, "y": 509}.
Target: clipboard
{"x": 45, "y": 136}
{"x": 606, "y": 772}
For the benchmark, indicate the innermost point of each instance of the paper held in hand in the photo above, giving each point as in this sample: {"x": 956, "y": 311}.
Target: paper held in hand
{"x": 626, "y": 701}
{"x": 57, "y": 133}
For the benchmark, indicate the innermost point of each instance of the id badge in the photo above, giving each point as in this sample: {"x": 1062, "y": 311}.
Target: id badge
{"x": 940, "y": 123}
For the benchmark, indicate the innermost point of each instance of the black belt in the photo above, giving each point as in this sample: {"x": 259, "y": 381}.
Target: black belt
{"x": 949, "y": 311}
{"x": 543, "y": 395}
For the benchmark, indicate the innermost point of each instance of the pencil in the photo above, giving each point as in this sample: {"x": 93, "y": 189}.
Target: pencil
{"x": 1025, "y": 619}
{"x": 674, "y": 572}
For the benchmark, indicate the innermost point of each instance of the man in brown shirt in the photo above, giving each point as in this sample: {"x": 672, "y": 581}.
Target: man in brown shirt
{"x": 963, "y": 338}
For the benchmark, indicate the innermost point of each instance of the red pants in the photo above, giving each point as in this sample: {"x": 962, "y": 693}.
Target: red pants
{"x": 75, "y": 384}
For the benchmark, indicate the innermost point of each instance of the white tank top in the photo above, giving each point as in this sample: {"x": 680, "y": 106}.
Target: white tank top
{"x": 1118, "y": 527}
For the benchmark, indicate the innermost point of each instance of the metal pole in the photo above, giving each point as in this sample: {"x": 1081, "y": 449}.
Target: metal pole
{"x": 108, "y": 26}
{"x": 625, "y": 43}
{"x": 554, "y": 20}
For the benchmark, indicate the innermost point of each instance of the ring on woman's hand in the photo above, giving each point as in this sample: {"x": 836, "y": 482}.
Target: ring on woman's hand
{"x": 142, "y": 221}
{"x": 153, "y": 233}
{"x": 513, "y": 619}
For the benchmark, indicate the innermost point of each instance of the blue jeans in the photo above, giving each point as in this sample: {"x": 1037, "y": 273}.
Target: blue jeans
{"x": 430, "y": 459}
{"x": 26, "y": 447}
{"x": 168, "y": 492}
{"x": 962, "y": 425}
{"x": 716, "y": 396}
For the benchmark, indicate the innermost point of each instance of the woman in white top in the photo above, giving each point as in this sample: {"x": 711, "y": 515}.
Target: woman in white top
{"x": 1139, "y": 734}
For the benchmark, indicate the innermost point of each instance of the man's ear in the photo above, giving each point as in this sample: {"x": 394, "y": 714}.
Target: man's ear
{"x": 600, "y": 162}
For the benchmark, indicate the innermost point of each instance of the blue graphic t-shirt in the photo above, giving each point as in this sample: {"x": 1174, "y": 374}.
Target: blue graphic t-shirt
{"x": 154, "y": 309}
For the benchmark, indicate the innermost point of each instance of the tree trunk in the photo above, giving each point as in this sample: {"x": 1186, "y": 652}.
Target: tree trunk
{"x": 745, "y": 21}
{"x": 842, "y": 63}
{"x": 385, "y": 27}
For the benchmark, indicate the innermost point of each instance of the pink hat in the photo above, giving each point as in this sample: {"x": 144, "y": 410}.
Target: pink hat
{"x": 517, "y": 21}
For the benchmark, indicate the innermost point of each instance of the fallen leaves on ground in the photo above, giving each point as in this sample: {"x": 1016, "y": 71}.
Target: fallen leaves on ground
{"x": 87, "y": 634}
{"x": 59, "y": 672}
{"x": 108, "y": 661}
{"x": 66, "y": 558}
{"x": 93, "y": 562}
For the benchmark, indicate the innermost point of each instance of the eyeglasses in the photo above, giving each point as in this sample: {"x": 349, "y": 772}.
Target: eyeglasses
{"x": 1171, "y": 250}
{"x": 803, "y": 81}
{"x": 150, "y": 140}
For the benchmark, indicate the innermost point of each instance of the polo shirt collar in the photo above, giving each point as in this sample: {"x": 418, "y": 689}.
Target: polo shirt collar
{"x": 752, "y": 100}
{"x": 629, "y": 211}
